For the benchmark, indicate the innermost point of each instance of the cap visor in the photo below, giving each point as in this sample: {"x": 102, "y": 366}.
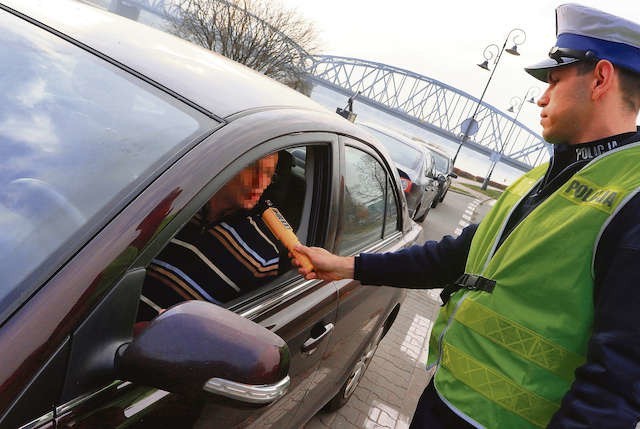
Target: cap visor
{"x": 541, "y": 69}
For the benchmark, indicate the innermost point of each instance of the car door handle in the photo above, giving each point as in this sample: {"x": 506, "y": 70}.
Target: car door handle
{"x": 313, "y": 342}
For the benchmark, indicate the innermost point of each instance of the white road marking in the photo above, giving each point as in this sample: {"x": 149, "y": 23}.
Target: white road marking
{"x": 466, "y": 217}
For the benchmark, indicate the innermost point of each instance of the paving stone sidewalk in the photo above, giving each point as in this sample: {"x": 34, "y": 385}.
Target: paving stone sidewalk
{"x": 389, "y": 391}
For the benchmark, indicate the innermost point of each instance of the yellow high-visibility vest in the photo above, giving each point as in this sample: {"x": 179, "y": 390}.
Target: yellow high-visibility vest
{"x": 506, "y": 358}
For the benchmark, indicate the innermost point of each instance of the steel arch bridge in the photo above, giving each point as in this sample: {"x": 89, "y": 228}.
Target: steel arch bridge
{"x": 432, "y": 105}
{"x": 417, "y": 99}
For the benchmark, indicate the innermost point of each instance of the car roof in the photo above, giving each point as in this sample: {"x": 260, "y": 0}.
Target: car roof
{"x": 437, "y": 149}
{"x": 396, "y": 134}
{"x": 431, "y": 146}
{"x": 203, "y": 77}
{"x": 406, "y": 138}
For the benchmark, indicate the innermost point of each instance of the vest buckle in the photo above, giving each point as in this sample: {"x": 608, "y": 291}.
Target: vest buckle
{"x": 468, "y": 282}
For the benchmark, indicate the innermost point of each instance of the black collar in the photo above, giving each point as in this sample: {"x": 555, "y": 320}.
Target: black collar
{"x": 568, "y": 154}
{"x": 567, "y": 159}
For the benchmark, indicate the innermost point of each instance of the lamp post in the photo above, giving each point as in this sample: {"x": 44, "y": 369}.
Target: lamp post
{"x": 516, "y": 103}
{"x": 517, "y": 37}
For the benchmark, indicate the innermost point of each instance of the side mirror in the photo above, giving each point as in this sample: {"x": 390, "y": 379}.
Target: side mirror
{"x": 196, "y": 346}
{"x": 453, "y": 175}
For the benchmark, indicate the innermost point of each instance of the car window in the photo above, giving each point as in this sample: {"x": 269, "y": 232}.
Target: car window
{"x": 442, "y": 163}
{"x": 391, "y": 214}
{"x": 227, "y": 250}
{"x": 364, "y": 200}
{"x": 77, "y": 136}
{"x": 402, "y": 153}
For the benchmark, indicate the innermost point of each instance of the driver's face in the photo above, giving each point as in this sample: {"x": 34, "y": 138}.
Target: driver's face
{"x": 245, "y": 189}
{"x": 254, "y": 179}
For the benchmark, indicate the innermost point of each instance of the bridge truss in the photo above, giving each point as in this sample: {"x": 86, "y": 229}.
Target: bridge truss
{"x": 432, "y": 105}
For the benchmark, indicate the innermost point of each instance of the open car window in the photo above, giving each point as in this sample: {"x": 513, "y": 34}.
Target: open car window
{"x": 227, "y": 251}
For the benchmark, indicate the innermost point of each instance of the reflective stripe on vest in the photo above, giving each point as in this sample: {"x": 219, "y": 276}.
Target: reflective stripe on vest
{"x": 508, "y": 357}
{"x": 497, "y": 388}
{"x": 519, "y": 339}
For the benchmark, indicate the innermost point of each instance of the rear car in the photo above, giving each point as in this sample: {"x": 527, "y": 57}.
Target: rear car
{"x": 416, "y": 167}
{"x": 114, "y": 135}
{"x": 444, "y": 171}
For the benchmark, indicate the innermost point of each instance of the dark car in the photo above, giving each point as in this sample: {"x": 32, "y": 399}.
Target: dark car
{"x": 113, "y": 136}
{"x": 444, "y": 171}
{"x": 415, "y": 165}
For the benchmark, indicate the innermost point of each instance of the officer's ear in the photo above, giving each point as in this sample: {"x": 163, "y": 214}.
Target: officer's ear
{"x": 604, "y": 76}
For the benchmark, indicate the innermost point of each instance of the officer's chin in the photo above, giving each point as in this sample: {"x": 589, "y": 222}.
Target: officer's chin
{"x": 549, "y": 137}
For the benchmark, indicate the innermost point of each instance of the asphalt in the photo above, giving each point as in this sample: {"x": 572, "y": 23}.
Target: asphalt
{"x": 397, "y": 375}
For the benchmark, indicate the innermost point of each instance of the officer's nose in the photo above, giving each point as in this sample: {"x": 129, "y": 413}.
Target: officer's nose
{"x": 544, "y": 99}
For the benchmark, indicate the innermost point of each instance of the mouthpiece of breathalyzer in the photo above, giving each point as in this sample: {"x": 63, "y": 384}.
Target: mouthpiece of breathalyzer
{"x": 284, "y": 233}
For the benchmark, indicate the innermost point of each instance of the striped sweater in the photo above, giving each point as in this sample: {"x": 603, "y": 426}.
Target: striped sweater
{"x": 216, "y": 262}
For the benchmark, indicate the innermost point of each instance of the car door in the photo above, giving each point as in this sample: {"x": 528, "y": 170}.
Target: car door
{"x": 301, "y": 312}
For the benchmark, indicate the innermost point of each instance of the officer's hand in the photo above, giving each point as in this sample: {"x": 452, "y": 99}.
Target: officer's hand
{"x": 326, "y": 265}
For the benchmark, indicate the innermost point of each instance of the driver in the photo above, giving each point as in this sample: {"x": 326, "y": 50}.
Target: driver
{"x": 224, "y": 251}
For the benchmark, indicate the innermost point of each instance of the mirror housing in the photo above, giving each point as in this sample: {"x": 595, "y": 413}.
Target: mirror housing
{"x": 453, "y": 175}
{"x": 196, "y": 346}
{"x": 405, "y": 180}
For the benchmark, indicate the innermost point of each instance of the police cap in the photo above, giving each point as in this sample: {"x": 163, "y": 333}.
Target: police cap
{"x": 587, "y": 34}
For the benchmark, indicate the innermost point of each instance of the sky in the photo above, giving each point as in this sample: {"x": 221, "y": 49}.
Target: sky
{"x": 445, "y": 39}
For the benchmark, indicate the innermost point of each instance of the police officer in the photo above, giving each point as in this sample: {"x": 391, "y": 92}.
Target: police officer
{"x": 541, "y": 324}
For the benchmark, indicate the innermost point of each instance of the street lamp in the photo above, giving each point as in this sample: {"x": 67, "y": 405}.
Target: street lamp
{"x": 517, "y": 37}
{"x": 515, "y": 103}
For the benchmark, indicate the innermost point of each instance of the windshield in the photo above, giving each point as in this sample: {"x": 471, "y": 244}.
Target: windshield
{"x": 77, "y": 137}
{"x": 401, "y": 152}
